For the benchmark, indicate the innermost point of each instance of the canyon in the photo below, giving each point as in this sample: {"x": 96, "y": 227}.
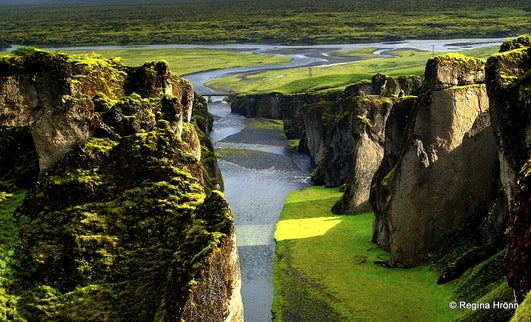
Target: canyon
{"x": 444, "y": 158}
{"x": 124, "y": 211}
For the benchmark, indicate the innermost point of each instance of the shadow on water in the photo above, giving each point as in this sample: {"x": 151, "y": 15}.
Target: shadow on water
{"x": 256, "y": 194}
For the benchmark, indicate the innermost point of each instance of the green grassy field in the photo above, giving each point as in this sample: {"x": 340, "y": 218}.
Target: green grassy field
{"x": 297, "y": 80}
{"x": 326, "y": 265}
{"x": 185, "y": 60}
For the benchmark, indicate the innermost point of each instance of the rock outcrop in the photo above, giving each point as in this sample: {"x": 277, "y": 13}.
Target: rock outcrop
{"x": 122, "y": 223}
{"x": 431, "y": 195}
{"x": 508, "y": 76}
{"x": 346, "y": 137}
{"x": 342, "y": 131}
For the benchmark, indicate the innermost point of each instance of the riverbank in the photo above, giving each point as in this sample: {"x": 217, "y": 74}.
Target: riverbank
{"x": 327, "y": 269}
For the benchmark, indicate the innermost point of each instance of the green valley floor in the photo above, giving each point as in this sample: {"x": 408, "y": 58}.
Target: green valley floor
{"x": 327, "y": 269}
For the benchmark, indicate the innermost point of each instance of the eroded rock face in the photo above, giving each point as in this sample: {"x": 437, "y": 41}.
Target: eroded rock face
{"x": 121, "y": 224}
{"x": 432, "y": 195}
{"x": 395, "y": 130}
{"x": 354, "y": 151}
{"x": 345, "y": 136}
{"x": 509, "y": 86}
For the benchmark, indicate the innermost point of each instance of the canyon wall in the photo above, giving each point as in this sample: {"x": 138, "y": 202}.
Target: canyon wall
{"x": 431, "y": 195}
{"x": 122, "y": 221}
{"x": 341, "y": 130}
{"x": 509, "y": 87}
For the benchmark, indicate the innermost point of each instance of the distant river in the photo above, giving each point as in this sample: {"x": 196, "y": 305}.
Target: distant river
{"x": 312, "y": 55}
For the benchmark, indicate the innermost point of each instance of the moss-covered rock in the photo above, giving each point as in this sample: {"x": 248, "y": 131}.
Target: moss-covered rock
{"x": 523, "y": 312}
{"x": 121, "y": 225}
{"x": 509, "y": 87}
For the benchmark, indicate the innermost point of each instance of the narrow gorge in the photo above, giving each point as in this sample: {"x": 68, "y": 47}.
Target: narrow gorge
{"x": 112, "y": 193}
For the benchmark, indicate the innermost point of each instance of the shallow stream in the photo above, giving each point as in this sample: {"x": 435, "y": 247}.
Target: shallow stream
{"x": 256, "y": 195}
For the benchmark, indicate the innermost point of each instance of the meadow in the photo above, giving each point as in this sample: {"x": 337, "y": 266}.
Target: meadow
{"x": 327, "y": 267}
{"x": 185, "y": 60}
{"x": 134, "y": 22}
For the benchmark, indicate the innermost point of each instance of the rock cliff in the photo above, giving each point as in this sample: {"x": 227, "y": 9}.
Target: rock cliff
{"x": 431, "y": 196}
{"x": 121, "y": 222}
{"x": 341, "y": 130}
{"x": 509, "y": 86}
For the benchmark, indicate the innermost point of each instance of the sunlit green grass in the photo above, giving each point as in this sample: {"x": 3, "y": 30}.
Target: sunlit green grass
{"x": 188, "y": 60}
{"x": 336, "y": 263}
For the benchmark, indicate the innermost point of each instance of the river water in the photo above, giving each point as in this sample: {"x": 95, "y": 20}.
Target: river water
{"x": 256, "y": 196}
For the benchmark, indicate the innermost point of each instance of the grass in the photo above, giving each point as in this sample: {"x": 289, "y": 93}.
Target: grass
{"x": 187, "y": 60}
{"x": 267, "y": 124}
{"x": 330, "y": 260}
{"x": 133, "y": 22}
{"x": 9, "y": 231}
{"x": 298, "y": 80}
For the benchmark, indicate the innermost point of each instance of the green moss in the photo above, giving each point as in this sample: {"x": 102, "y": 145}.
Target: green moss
{"x": 9, "y": 234}
{"x": 523, "y": 41}
{"x": 121, "y": 224}
{"x": 364, "y": 119}
{"x": 461, "y": 58}
{"x": 523, "y": 312}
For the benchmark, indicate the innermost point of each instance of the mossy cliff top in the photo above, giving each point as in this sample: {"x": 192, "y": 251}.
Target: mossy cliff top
{"x": 121, "y": 225}
{"x": 453, "y": 69}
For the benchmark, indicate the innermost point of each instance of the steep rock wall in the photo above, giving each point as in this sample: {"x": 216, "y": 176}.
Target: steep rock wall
{"x": 432, "y": 195}
{"x": 121, "y": 224}
{"x": 342, "y": 131}
{"x": 352, "y": 145}
{"x": 395, "y": 130}
{"x": 346, "y": 137}
{"x": 508, "y": 76}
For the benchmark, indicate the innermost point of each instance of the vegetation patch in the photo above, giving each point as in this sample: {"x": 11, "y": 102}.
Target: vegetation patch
{"x": 336, "y": 77}
{"x": 329, "y": 259}
{"x": 186, "y": 60}
{"x": 133, "y": 22}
